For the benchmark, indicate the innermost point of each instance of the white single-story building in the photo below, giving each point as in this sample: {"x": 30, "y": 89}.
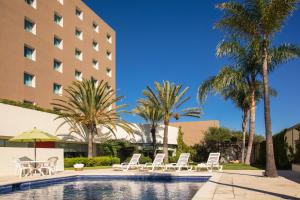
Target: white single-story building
{"x": 15, "y": 119}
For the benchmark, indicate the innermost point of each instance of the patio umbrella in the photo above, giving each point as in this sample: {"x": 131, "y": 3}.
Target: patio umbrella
{"x": 35, "y": 135}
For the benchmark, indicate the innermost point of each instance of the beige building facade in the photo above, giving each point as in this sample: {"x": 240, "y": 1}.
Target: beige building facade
{"x": 48, "y": 44}
{"x": 193, "y": 132}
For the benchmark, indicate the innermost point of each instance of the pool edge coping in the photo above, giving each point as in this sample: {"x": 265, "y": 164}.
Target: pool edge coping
{"x": 207, "y": 190}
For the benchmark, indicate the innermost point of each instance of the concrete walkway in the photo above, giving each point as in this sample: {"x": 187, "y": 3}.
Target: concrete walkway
{"x": 244, "y": 185}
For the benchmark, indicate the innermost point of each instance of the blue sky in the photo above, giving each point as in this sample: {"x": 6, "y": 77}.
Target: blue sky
{"x": 175, "y": 40}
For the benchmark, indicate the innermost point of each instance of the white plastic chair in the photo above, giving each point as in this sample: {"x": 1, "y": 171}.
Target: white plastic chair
{"x": 157, "y": 163}
{"x": 212, "y": 162}
{"x": 50, "y": 166}
{"x": 182, "y": 162}
{"x": 23, "y": 168}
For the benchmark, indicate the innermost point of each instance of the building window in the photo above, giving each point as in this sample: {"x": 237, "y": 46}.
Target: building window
{"x": 95, "y": 45}
{"x": 109, "y": 55}
{"x": 108, "y": 72}
{"x": 61, "y": 2}
{"x": 29, "y": 52}
{"x": 79, "y": 13}
{"x": 57, "y": 65}
{"x": 29, "y": 26}
{"x": 95, "y": 64}
{"x": 29, "y": 80}
{"x": 57, "y": 89}
{"x": 32, "y": 3}
{"x": 78, "y": 54}
{"x": 78, "y": 34}
{"x": 95, "y": 27}
{"x": 58, "y": 19}
{"x": 78, "y": 75}
{"x": 109, "y": 38}
{"x": 94, "y": 81}
{"x": 58, "y": 43}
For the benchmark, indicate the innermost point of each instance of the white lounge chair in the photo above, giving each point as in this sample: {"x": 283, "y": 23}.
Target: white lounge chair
{"x": 133, "y": 163}
{"x": 157, "y": 163}
{"x": 212, "y": 162}
{"x": 182, "y": 162}
{"x": 50, "y": 166}
{"x": 23, "y": 168}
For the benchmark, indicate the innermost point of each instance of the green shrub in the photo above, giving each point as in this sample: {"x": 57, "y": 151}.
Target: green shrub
{"x": 173, "y": 159}
{"x": 91, "y": 162}
{"x": 143, "y": 159}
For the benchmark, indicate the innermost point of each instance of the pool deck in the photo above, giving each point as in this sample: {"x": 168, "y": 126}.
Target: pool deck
{"x": 251, "y": 184}
{"x": 229, "y": 184}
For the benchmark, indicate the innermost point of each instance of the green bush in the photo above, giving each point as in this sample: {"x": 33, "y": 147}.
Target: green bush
{"x": 143, "y": 159}
{"x": 173, "y": 159}
{"x": 91, "y": 162}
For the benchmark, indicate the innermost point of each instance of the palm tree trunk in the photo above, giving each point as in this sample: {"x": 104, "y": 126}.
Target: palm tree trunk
{"x": 165, "y": 141}
{"x": 90, "y": 142}
{"x": 244, "y": 126}
{"x": 251, "y": 125}
{"x": 270, "y": 161}
{"x": 153, "y": 132}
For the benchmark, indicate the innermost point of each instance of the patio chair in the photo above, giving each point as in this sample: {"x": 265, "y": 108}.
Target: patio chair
{"x": 182, "y": 162}
{"x": 133, "y": 163}
{"x": 23, "y": 168}
{"x": 157, "y": 163}
{"x": 212, "y": 162}
{"x": 50, "y": 166}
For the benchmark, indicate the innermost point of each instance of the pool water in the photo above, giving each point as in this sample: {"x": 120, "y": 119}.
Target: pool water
{"x": 110, "y": 190}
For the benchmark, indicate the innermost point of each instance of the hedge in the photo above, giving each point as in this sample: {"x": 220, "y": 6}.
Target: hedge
{"x": 281, "y": 151}
{"x": 91, "y": 162}
{"x": 143, "y": 159}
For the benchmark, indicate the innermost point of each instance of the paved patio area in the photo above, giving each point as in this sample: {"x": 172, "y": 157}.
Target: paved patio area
{"x": 251, "y": 185}
{"x": 230, "y": 184}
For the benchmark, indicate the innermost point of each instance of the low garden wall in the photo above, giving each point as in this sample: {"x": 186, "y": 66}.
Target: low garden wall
{"x": 9, "y": 155}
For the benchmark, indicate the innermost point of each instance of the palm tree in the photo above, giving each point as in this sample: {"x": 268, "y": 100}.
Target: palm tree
{"x": 91, "y": 105}
{"x": 246, "y": 60}
{"x": 230, "y": 84}
{"x": 259, "y": 19}
{"x": 240, "y": 97}
{"x": 168, "y": 98}
{"x": 152, "y": 115}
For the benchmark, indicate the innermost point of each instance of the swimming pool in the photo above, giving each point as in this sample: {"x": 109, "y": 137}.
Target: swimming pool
{"x": 107, "y": 187}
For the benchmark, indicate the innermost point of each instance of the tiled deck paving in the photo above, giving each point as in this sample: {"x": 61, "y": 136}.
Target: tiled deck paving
{"x": 230, "y": 184}
{"x": 246, "y": 185}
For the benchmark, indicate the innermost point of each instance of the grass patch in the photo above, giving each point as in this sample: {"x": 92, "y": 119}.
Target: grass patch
{"x": 95, "y": 167}
{"x": 240, "y": 166}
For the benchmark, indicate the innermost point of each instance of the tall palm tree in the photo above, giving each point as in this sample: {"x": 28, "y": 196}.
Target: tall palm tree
{"x": 91, "y": 105}
{"x": 152, "y": 115}
{"x": 259, "y": 19}
{"x": 247, "y": 61}
{"x": 169, "y": 97}
{"x": 231, "y": 84}
{"x": 240, "y": 97}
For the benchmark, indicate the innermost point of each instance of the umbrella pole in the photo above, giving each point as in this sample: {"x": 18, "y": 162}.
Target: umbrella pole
{"x": 34, "y": 149}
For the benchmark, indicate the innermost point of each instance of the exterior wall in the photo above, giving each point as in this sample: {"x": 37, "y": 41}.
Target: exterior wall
{"x": 13, "y": 37}
{"x": 292, "y": 137}
{"x": 15, "y": 120}
{"x": 9, "y": 155}
{"x": 194, "y": 131}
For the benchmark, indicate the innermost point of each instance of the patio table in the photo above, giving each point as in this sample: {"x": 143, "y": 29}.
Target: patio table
{"x": 36, "y": 166}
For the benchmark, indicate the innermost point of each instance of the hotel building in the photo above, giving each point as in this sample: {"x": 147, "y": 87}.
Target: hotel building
{"x": 48, "y": 44}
